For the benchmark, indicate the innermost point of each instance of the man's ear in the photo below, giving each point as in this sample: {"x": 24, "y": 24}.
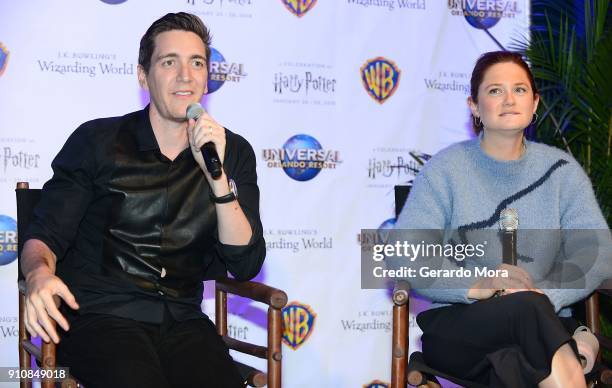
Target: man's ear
{"x": 142, "y": 77}
{"x": 473, "y": 106}
{"x": 206, "y": 83}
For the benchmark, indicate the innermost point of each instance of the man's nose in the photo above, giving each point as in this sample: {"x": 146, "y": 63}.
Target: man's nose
{"x": 184, "y": 73}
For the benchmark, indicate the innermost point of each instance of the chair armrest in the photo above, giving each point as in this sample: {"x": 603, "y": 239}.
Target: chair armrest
{"x": 605, "y": 287}
{"x": 254, "y": 377}
{"x": 246, "y": 347}
{"x": 604, "y": 342}
{"x": 271, "y": 296}
{"x": 32, "y": 349}
{"x": 401, "y": 291}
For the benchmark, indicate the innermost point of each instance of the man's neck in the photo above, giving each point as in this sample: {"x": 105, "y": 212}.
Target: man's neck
{"x": 171, "y": 136}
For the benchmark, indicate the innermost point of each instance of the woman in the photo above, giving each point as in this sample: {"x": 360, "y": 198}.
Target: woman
{"x": 504, "y": 331}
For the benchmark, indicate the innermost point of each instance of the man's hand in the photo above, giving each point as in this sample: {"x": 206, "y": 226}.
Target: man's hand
{"x": 518, "y": 280}
{"x": 202, "y": 131}
{"x": 42, "y": 300}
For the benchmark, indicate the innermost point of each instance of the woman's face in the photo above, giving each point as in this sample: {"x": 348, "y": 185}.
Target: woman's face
{"x": 506, "y": 102}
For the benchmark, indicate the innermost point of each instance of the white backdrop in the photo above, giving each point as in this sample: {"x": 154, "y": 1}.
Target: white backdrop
{"x": 295, "y": 67}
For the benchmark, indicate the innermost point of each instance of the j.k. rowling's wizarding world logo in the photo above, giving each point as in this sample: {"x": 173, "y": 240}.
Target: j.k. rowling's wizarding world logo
{"x": 299, "y": 7}
{"x": 298, "y": 324}
{"x": 380, "y": 77}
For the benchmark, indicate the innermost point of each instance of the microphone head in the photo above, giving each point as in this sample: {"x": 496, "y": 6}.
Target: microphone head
{"x": 194, "y": 111}
{"x": 508, "y": 220}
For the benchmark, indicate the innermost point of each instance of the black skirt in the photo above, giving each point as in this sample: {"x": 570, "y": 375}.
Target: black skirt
{"x": 499, "y": 342}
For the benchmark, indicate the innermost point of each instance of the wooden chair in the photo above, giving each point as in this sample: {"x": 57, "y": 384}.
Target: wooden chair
{"x": 276, "y": 299}
{"x": 415, "y": 372}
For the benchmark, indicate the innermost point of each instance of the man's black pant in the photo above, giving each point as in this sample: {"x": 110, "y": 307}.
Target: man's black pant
{"x": 107, "y": 351}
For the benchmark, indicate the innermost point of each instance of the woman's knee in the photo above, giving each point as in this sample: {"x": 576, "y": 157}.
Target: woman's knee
{"x": 528, "y": 302}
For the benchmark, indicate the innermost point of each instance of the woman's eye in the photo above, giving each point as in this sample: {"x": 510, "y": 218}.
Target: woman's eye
{"x": 495, "y": 91}
{"x": 520, "y": 89}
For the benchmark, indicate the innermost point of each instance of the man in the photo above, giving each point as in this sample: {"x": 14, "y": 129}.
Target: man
{"x": 131, "y": 223}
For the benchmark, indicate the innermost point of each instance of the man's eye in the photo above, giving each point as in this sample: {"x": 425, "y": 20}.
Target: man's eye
{"x": 168, "y": 62}
{"x": 199, "y": 63}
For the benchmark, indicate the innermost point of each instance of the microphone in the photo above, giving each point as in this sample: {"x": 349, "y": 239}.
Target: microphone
{"x": 209, "y": 151}
{"x": 508, "y": 223}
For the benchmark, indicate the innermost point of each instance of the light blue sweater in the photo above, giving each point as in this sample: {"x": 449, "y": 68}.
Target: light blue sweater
{"x": 463, "y": 188}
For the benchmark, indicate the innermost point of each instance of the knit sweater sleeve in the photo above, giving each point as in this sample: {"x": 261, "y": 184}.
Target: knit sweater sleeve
{"x": 587, "y": 242}
{"x": 428, "y": 207}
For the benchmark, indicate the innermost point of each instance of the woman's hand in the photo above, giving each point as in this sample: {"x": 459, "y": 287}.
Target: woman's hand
{"x": 517, "y": 280}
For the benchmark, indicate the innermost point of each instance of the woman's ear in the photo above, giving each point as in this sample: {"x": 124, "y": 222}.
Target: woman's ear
{"x": 473, "y": 106}
{"x": 536, "y": 101}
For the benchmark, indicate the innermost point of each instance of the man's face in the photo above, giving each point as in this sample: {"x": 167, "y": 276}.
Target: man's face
{"x": 178, "y": 74}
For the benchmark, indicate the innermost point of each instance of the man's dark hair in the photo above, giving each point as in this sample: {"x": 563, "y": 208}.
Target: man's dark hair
{"x": 173, "y": 21}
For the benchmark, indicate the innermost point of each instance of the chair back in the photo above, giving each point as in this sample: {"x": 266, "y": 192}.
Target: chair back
{"x": 401, "y": 195}
{"x": 27, "y": 199}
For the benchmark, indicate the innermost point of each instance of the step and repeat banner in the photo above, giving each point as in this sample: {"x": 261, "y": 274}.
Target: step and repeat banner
{"x": 337, "y": 97}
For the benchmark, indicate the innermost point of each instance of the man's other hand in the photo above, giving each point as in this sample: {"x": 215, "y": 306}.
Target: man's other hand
{"x": 43, "y": 293}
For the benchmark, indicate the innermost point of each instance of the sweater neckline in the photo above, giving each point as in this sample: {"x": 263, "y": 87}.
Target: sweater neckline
{"x": 501, "y": 168}
{"x": 502, "y": 163}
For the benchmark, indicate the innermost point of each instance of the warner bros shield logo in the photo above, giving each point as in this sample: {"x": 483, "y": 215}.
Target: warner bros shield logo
{"x": 298, "y": 324}
{"x": 377, "y": 384}
{"x": 380, "y": 77}
{"x": 299, "y": 7}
